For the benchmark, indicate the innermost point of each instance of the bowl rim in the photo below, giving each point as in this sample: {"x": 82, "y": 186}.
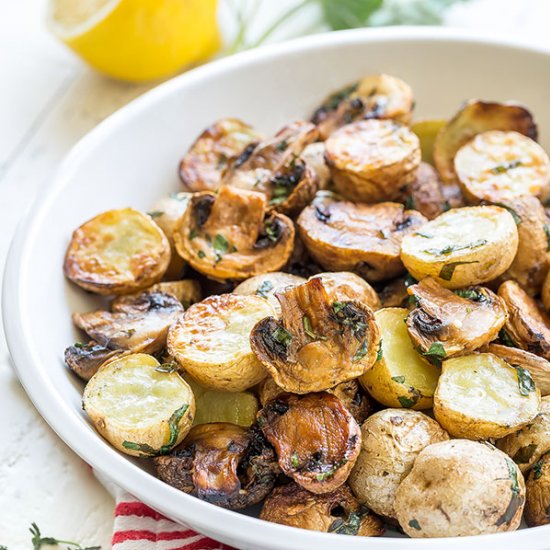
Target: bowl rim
{"x": 227, "y": 526}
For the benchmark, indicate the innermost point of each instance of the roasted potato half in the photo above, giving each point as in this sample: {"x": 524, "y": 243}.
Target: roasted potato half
{"x": 446, "y": 323}
{"x": 317, "y": 343}
{"x": 476, "y": 117}
{"x": 117, "y": 252}
{"x": 316, "y": 439}
{"x": 314, "y": 156}
{"x": 342, "y": 286}
{"x": 427, "y": 131}
{"x": 223, "y": 464}
{"x": 460, "y": 488}
{"x": 202, "y": 167}
{"x": 363, "y": 238}
{"x": 230, "y": 236}
{"x": 375, "y": 96}
{"x": 462, "y": 247}
{"x": 391, "y": 440}
{"x": 401, "y": 377}
{"x": 371, "y": 160}
{"x": 537, "y": 485}
{"x": 480, "y": 396}
{"x": 336, "y": 512}
{"x": 211, "y": 341}
{"x": 85, "y": 359}
{"x": 139, "y": 407}
{"x": 499, "y": 165}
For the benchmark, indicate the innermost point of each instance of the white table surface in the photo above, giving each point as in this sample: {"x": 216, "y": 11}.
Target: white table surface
{"x": 48, "y": 100}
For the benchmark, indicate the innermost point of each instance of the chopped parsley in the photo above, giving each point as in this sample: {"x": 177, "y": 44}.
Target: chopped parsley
{"x": 272, "y": 231}
{"x": 220, "y": 246}
{"x": 409, "y": 402}
{"x": 501, "y": 168}
{"x": 201, "y": 254}
{"x": 525, "y": 381}
{"x": 547, "y": 233}
{"x": 349, "y": 527}
{"x": 398, "y": 379}
{"x": 537, "y": 470}
{"x": 294, "y": 460}
{"x": 471, "y": 294}
{"x": 282, "y": 336}
{"x": 167, "y": 368}
{"x": 362, "y": 350}
{"x": 192, "y": 234}
{"x": 454, "y": 247}
{"x": 264, "y": 288}
{"x": 414, "y": 524}
{"x": 308, "y": 329}
{"x": 447, "y": 271}
{"x": 155, "y": 213}
{"x": 436, "y": 352}
{"x": 379, "y": 353}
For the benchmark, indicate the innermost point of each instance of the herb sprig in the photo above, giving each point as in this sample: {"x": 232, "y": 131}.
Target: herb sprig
{"x": 38, "y": 541}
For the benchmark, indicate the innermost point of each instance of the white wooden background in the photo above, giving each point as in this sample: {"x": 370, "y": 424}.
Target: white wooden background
{"x": 48, "y": 100}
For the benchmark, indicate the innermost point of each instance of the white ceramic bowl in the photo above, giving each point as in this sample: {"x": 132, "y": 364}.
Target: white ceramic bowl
{"x": 131, "y": 160}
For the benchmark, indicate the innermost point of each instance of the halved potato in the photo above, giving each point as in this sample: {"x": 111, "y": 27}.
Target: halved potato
{"x": 537, "y": 485}
{"x": 314, "y": 156}
{"x": 427, "y": 131}
{"x": 211, "y": 341}
{"x": 473, "y": 118}
{"x": 371, "y": 160}
{"x": 316, "y": 439}
{"x": 230, "y": 236}
{"x": 401, "y": 377}
{"x": 342, "y": 286}
{"x": 117, "y": 252}
{"x": 364, "y": 238}
{"x": 447, "y": 323}
{"x": 480, "y": 396}
{"x": 138, "y": 407}
{"x": 202, "y": 167}
{"x": 375, "y": 96}
{"x": 317, "y": 343}
{"x": 462, "y": 247}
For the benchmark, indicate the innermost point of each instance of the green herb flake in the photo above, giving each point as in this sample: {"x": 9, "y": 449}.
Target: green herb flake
{"x": 415, "y": 525}
{"x": 525, "y": 381}
{"x": 408, "y": 402}
{"x": 337, "y": 307}
{"x": 513, "y": 213}
{"x": 362, "y": 350}
{"x": 271, "y": 231}
{"x": 471, "y": 294}
{"x": 447, "y": 271}
{"x": 281, "y": 146}
{"x": 282, "y": 336}
{"x": 537, "y": 470}
{"x": 349, "y": 527}
{"x": 156, "y": 213}
{"x": 398, "y": 379}
{"x": 516, "y": 500}
{"x": 130, "y": 332}
{"x": 221, "y": 247}
{"x": 143, "y": 448}
{"x": 308, "y": 329}
{"x": 295, "y": 460}
{"x": 436, "y": 351}
{"x": 167, "y": 368}
{"x": 173, "y": 424}
{"x": 264, "y": 288}
{"x": 201, "y": 254}
{"x": 454, "y": 248}
{"x": 193, "y": 234}
{"x": 79, "y": 345}
{"x": 502, "y": 168}
{"x": 547, "y": 233}
{"x": 505, "y": 339}
{"x": 379, "y": 353}
{"x": 421, "y": 234}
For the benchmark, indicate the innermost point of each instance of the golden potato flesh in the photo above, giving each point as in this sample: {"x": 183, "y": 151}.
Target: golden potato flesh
{"x": 401, "y": 377}
{"x": 337, "y": 512}
{"x": 378, "y": 96}
{"x": 202, "y": 167}
{"x": 141, "y": 408}
{"x": 117, "y": 252}
{"x": 317, "y": 343}
{"x": 342, "y": 286}
{"x": 427, "y": 131}
{"x": 230, "y": 236}
{"x": 425, "y": 193}
{"x": 371, "y": 160}
{"x": 363, "y": 238}
{"x": 499, "y": 165}
{"x": 480, "y": 396}
{"x": 391, "y": 440}
{"x": 537, "y": 484}
{"x": 460, "y": 488}
{"x": 476, "y": 117}
{"x": 316, "y": 439}
{"x": 446, "y": 323}
{"x": 462, "y": 247}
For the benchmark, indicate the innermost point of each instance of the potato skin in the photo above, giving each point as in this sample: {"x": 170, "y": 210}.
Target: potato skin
{"x": 103, "y": 259}
{"x": 537, "y": 484}
{"x": 391, "y": 440}
{"x": 425, "y": 193}
{"x": 460, "y": 488}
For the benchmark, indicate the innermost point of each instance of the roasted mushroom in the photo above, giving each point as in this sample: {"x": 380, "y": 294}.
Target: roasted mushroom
{"x": 85, "y": 359}
{"x": 230, "y": 236}
{"x": 364, "y": 238}
{"x": 202, "y": 167}
{"x": 475, "y": 117}
{"x": 318, "y": 343}
{"x": 314, "y": 156}
{"x": 137, "y": 323}
{"x": 223, "y": 464}
{"x": 371, "y": 160}
{"x": 394, "y": 294}
{"x": 447, "y": 323}
{"x": 337, "y": 512}
{"x": 537, "y": 486}
{"x": 342, "y": 286}
{"x": 187, "y": 291}
{"x": 316, "y": 439}
{"x": 375, "y": 96}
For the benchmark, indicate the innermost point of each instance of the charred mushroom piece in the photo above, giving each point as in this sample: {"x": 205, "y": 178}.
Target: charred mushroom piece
{"x": 85, "y": 359}
{"x": 201, "y": 169}
{"x": 376, "y": 96}
{"x": 223, "y": 464}
{"x": 316, "y": 439}
{"x": 528, "y": 326}
{"x": 473, "y": 118}
{"x": 447, "y": 323}
{"x": 137, "y": 323}
{"x": 337, "y": 512}
{"x": 230, "y": 236}
{"x": 317, "y": 344}
{"x": 364, "y": 238}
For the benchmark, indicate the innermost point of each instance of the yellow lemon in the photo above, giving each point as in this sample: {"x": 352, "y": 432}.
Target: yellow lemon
{"x": 137, "y": 39}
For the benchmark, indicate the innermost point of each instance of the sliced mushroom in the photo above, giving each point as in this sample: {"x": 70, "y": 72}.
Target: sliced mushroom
{"x": 187, "y": 291}
{"x": 336, "y": 512}
{"x": 447, "y": 323}
{"x": 202, "y": 167}
{"x": 230, "y": 236}
{"x": 364, "y": 238}
{"x": 342, "y": 286}
{"x": 138, "y": 323}
{"x": 223, "y": 464}
{"x": 376, "y": 96}
{"x": 316, "y": 439}
{"x": 528, "y": 326}
{"x": 85, "y": 359}
{"x": 394, "y": 294}
{"x": 317, "y": 343}
{"x": 314, "y": 156}
{"x": 475, "y": 117}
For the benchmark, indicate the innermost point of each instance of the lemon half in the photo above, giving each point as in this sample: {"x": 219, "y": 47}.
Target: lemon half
{"x": 137, "y": 39}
